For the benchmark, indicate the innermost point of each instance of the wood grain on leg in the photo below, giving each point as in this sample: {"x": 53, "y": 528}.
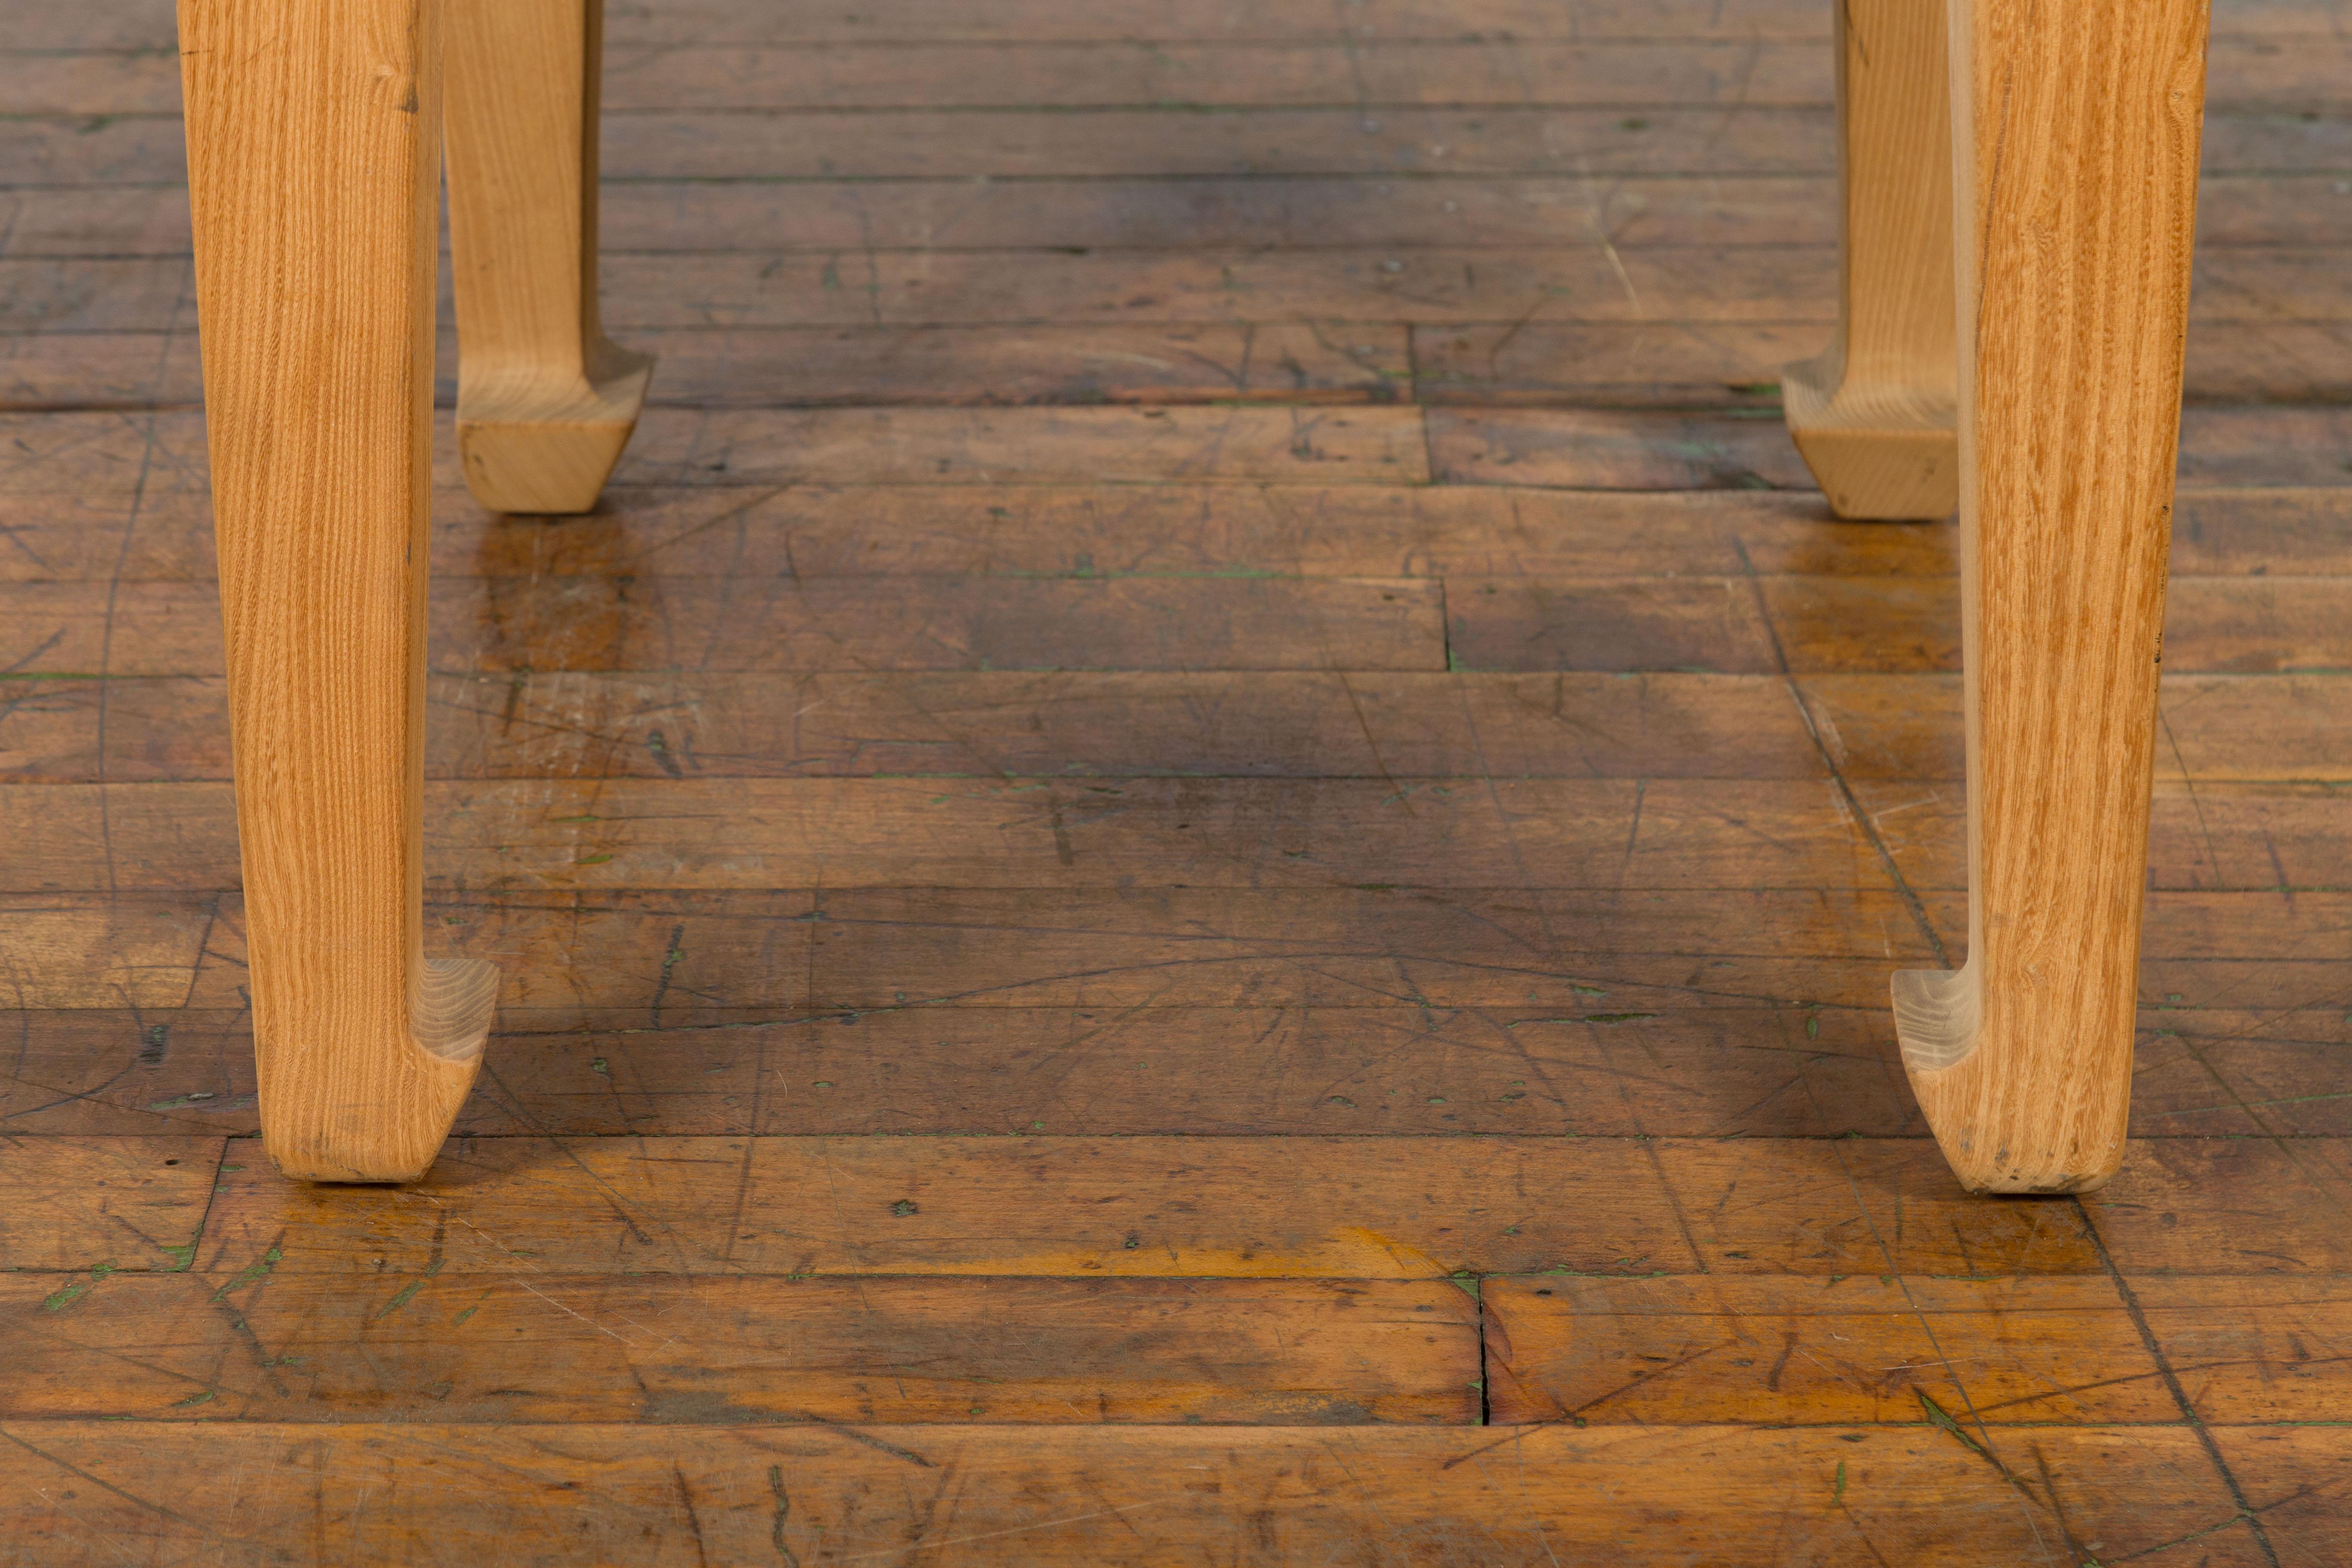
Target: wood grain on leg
{"x": 1872, "y": 416}
{"x": 313, "y": 138}
{"x": 2077, "y": 138}
{"x": 544, "y": 401}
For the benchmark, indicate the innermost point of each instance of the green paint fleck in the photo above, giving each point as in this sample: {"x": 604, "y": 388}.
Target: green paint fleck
{"x": 1942, "y": 1417}
{"x": 1839, "y": 1491}
{"x": 591, "y": 861}
{"x": 258, "y": 1270}
{"x": 65, "y": 1298}
{"x": 600, "y": 1065}
{"x": 193, "y": 1399}
{"x": 406, "y": 1294}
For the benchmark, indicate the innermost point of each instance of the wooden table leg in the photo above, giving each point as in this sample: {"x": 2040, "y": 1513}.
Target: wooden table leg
{"x": 544, "y": 401}
{"x": 313, "y": 151}
{"x": 2077, "y": 191}
{"x": 1872, "y": 417}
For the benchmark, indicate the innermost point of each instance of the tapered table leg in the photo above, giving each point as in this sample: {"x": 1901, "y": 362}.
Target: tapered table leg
{"x": 544, "y": 401}
{"x": 1872, "y": 416}
{"x": 313, "y": 147}
{"x": 2077, "y": 130}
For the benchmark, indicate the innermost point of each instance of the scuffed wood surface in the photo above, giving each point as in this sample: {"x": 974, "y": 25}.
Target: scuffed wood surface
{"x": 1493, "y": 791}
{"x": 997, "y": 1495}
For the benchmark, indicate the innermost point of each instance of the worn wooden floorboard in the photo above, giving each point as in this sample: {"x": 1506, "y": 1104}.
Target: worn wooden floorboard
{"x": 1109, "y": 724}
{"x": 1510, "y": 72}
{"x": 1329, "y": 141}
{"x": 1321, "y": 315}
{"x": 701, "y": 223}
{"x": 79, "y": 515}
{"x": 1320, "y": 363}
{"x": 1553, "y": 1494}
{"x": 1818, "y": 1069}
{"x": 1210, "y": 797}
{"x": 744, "y": 22}
{"x": 109, "y": 455}
{"x": 774, "y": 624}
{"x": 503, "y": 1346}
{"x": 1365, "y": 835}
{"x": 1306, "y": 724}
{"x": 1054, "y": 1205}
{"x": 727, "y": 624}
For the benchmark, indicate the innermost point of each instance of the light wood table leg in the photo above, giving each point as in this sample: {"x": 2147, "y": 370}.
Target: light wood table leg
{"x": 2077, "y": 129}
{"x": 544, "y": 401}
{"x": 1874, "y": 416}
{"x": 313, "y": 147}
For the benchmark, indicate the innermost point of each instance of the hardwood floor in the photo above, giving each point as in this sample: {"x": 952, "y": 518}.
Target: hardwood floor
{"x": 1200, "y": 863}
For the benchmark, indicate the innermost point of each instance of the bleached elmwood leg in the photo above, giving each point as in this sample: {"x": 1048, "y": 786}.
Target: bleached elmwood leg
{"x": 2076, "y": 134}
{"x": 1872, "y": 416}
{"x": 313, "y": 163}
{"x": 544, "y": 401}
